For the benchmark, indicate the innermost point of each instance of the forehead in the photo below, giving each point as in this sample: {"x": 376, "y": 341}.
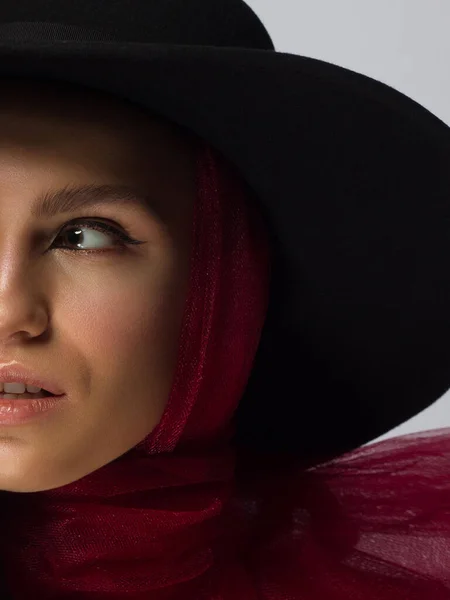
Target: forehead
{"x": 55, "y": 135}
{"x": 70, "y": 100}
{"x": 56, "y": 112}
{"x": 49, "y": 112}
{"x": 67, "y": 125}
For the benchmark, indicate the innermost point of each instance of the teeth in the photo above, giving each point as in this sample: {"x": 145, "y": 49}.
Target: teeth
{"x": 33, "y": 389}
{"x": 14, "y": 388}
{"x": 18, "y": 388}
{"x": 25, "y": 396}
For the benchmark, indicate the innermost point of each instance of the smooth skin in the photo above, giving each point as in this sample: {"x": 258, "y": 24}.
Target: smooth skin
{"x": 104, "y": 325}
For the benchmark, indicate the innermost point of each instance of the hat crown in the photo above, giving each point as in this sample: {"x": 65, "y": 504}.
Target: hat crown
{"x": 227, "y": 23}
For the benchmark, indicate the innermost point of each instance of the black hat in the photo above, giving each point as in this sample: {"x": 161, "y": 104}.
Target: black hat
{"x": 353, "y": 179}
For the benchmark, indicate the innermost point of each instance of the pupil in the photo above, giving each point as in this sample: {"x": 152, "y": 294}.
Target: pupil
{"x": 73, "y": 233}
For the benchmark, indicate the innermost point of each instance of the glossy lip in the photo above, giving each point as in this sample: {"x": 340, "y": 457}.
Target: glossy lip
{"x": 18, "y": 373}
{"x": 19, "y": 412}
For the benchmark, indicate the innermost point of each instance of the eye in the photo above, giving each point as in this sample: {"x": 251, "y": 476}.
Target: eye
{"x": 94, "y": 234}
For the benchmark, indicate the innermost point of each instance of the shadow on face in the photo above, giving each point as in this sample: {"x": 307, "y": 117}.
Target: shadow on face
{"x": 99, "y": 318}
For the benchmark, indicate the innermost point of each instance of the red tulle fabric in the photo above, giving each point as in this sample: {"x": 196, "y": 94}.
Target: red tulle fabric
{"x": 170, "y": 520}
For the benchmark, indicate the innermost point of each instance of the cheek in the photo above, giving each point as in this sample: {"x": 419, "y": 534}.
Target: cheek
{"x": 124, "y": 324}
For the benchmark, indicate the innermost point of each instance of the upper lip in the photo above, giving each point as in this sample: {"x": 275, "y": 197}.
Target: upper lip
{"x": 19, "y": 373}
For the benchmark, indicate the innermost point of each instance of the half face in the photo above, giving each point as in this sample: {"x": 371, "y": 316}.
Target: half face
{"x": 82, "y": 177}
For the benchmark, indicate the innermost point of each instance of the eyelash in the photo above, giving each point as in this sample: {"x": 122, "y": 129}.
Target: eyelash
{"x": 123, "y": 239}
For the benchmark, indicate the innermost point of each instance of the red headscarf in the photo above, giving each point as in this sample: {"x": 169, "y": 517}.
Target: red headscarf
{"x": 167, "y": 519}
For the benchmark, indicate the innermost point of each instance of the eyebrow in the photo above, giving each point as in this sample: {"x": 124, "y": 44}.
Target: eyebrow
{"x": 70, "y": 198}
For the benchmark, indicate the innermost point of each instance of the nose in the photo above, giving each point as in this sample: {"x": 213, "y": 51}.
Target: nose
{"x": 23, "y": 312}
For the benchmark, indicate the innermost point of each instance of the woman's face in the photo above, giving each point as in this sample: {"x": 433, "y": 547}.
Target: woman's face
{"x": 103, "y": 325}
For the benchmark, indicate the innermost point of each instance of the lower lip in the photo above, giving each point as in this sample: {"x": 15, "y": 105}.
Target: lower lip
{"x": 17, "y": 412}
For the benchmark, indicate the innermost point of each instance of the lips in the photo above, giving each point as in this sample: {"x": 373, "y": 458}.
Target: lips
{"x": 26, "y": 395}
{"x": 19, "y": 373}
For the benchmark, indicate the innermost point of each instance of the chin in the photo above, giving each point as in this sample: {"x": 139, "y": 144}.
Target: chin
{"x": 21, "y": 482}
{"x": 25, "y": 486}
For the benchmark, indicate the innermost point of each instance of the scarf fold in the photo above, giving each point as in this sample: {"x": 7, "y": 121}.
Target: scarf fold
{"x": 168, "y": 520}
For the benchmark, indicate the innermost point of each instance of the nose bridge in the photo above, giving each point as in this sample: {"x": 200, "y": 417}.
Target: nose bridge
{"x": 15, "y": 232}
{"x": 20, "y": 307}
{"x": 14, "y": 261}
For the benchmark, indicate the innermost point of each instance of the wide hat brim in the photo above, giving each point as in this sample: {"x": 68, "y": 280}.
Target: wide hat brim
{"x": 353, "y": 178}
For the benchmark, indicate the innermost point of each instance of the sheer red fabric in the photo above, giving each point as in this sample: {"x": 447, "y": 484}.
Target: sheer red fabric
{"x": 169, "y": 519}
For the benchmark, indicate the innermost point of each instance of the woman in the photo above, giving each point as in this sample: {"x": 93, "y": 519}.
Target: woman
{"x": 221, "y": 300}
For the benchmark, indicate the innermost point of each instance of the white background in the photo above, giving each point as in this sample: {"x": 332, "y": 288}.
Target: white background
{"x": 404, "y": 43}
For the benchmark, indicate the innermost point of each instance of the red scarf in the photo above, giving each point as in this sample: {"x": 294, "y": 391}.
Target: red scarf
{"x": 167, "y": 520}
